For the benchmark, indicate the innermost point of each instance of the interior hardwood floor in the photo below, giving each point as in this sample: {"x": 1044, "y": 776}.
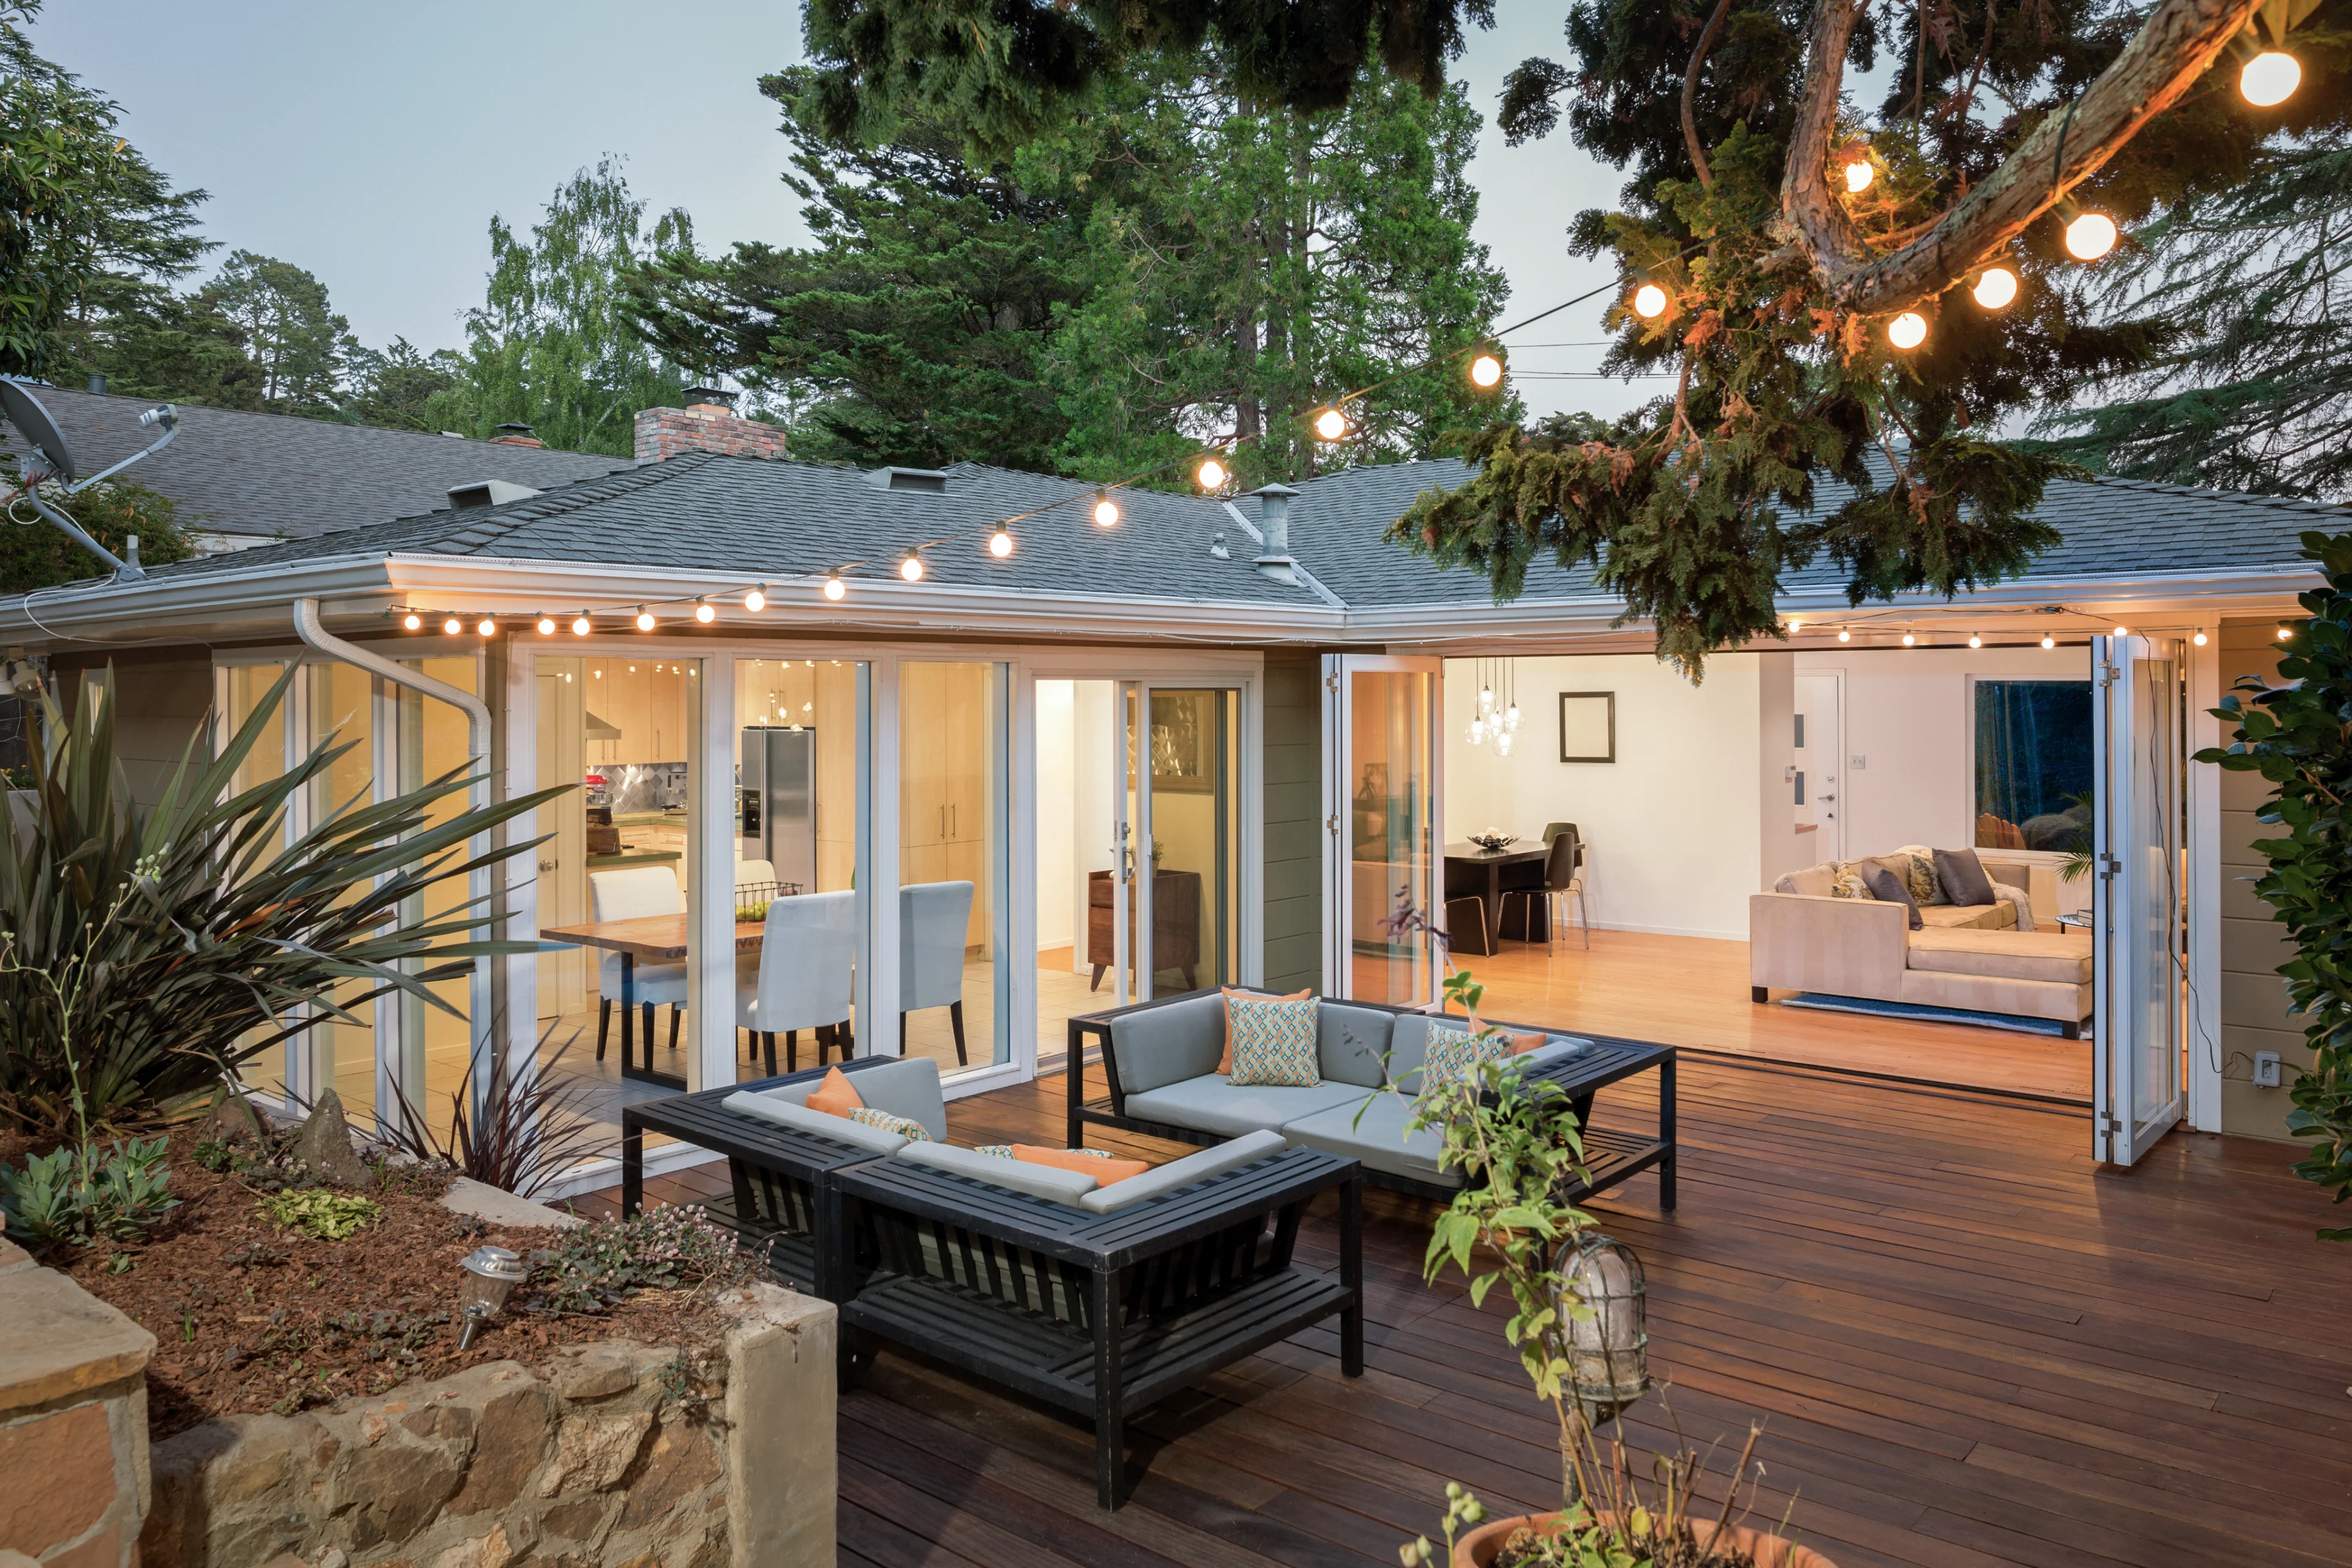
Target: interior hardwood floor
{"x": 1969, "y": 1346}
{"x": 1693, "y": 992}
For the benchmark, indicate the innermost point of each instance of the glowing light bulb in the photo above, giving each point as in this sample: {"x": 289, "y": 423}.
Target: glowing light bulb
{"x": 1000, "y": 544}
{"x": 1975, "y": 641}
{"x": 1859, "y": 175}
{"x": 1503, "y": 744}
{"x": 487, "y": 627}
{"x": 547, "y": 625}
{"x": 2284, "y": 634}
{"x": 2090, "y": 237}
{"x": 756, "y": 599}
{"x": 1649, "y": 302}
{"x": 2198, "y": 640}
{"x": 704, "y": 611}
{"x": 645, "y": 622}
{"x": 453, "y": 625}
{"x": 2123, "y": 631}
{"x": 2270, "y": 78}
{"x": 911, "y": 569}
{"x": 1796, "y": 627}
{"x": 1478, "y": 730}
{"x": 1486, "y": 698}
{"x": 1907, "y": 331}
{"x": 1330, "y": 424}
{"x": 1511, "y": 716}
{"x": 1486, "y": 371}
{"x": 412, "y": 620}
{"x": 1845, "y": 635}
{"x": 1996, "y": 288}
{"x": 834, "y": 587}
{"x": 580, "y": 625}
{"x": 1210, "y": 473}
{"x": 1908, "y": 639}
{"x": 2048, "y": 641}
{"x": 1105, "y": 511}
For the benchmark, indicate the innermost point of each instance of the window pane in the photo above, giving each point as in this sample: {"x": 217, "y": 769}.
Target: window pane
{"x": 2035, "y": 785}
{"x": 433, "y": 742}
{"x": 1195, "y": 863}
{"x": 954, "y": 1001}
{"x": 1393, "y": 858}
{"x": 342, "y": 713}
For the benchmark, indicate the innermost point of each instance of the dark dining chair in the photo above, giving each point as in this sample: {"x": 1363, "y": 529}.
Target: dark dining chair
{"x": 1563, "y": 882}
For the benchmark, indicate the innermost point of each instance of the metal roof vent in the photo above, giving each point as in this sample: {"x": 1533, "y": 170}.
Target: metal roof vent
{"x": 929, "y": 481}
{"x": 1274, "y": 523}
{"x": 488, "y": 492}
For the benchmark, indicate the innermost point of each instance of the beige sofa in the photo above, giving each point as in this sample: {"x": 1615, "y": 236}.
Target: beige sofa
{"x": 1980, "y": 958}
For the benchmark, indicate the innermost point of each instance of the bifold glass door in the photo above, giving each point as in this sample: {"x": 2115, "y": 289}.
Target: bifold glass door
{"x": 2138, "y": 907}
{"x": 1383, "y": 790}
{"x": 1174, "y": 890}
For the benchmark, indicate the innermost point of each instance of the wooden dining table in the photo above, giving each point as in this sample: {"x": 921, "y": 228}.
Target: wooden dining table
{"x": 657, "y": 939}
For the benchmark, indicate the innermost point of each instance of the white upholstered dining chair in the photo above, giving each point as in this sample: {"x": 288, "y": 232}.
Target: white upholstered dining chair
{"x": 627, "y": 894}
{"x": 806, "y": 978}
{"x": 933, "y": 918}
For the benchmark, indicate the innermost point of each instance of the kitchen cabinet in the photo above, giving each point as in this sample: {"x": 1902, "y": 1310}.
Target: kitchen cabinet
{"x": 943, "y": 798}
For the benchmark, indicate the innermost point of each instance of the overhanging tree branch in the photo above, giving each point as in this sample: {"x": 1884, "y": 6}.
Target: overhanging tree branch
{"x": 2179, "y": 40}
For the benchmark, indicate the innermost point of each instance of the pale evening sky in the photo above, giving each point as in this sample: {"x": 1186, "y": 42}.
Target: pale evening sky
{"x": 370, "y": 144}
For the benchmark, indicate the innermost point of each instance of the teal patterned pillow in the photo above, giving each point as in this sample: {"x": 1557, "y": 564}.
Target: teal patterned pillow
{"x": 1457, "y": 1054}
{"x": 906, "y": 1127}
{"x": 1274, "y": 1041}
{"x": 998, "y": 1151}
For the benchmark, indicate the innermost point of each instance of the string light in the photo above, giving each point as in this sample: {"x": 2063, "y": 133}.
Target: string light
{"x": 2090, "y": 235}
{"x": 1908, "y": 639}
{"x": 1105, "y": 511}
{"x": 1486, "y": 371}
{"x": 1330, "y": 424}
{"x": 834, "y": 587}
{"x": 1210, "y": 473}
{"x": 911, "y": 568}
{"x": 1996, "y": 288}
{"x": 412, "y": 620}
{"x": 2198, "y": 640}
{"x": 2270, "y": 78}
{"x": 453, "y": 625}
{"x": 704, "y": 611}
{"x": 1649, "y": 302}
{"x": 2284, "y": 634}
{"x": 487, "y": 627}
{"x": 1907, "y": 331}
{"x": 2049, "y": 641}
{"x": 1859, "y": 175}
{"x": 1975, "y": 641}
{"x": 1845, "y": 635}
{"x": 756, "y": 599}
{"x": 2123, "y": 631}
{"x": 547, "y": 625}
{"x": 580, "y": 624}
{"x": 1796, "y": 627}
{"x": 645, "y": 619}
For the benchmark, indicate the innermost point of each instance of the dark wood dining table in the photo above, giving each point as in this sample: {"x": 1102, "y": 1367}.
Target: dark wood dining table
{"x": 657, "y": 939}
{"x": 1471, "y": 858}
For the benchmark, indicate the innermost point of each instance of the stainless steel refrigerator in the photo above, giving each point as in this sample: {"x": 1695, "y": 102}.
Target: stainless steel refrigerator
{"x": 776, "y": 772}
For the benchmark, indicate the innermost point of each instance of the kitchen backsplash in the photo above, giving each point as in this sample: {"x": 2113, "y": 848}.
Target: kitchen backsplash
{"x": 639, "y": 786}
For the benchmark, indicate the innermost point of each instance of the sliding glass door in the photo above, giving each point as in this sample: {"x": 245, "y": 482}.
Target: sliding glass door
{"x": 2137, "y": 908}
{"x": 1383, "y": 780}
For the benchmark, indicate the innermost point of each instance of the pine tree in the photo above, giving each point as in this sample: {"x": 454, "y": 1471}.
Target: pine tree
{"x": 288, "y": 329}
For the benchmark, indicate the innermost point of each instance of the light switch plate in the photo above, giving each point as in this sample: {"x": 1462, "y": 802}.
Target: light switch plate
{"x": 1859, "y": 762}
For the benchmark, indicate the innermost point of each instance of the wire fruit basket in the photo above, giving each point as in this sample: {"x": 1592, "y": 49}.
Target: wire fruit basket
{"x": 752, "y": 899}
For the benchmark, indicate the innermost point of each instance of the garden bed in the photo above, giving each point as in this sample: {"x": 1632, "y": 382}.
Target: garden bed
{"x": 251, "y": 1317}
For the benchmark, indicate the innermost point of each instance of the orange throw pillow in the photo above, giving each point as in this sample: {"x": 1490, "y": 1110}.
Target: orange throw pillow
{"x": 1104, "y": 1172}
{"x": 1225, "y": 1062}
{"x": 835, "y": 1096}
{"x": 1535, "y": 1041}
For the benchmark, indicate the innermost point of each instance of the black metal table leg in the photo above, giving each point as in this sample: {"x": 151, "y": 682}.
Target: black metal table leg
{"x": 1666, "y": 1133}
{"x": 1110, "y": 1433}
{"x": 1351, "y": 1275}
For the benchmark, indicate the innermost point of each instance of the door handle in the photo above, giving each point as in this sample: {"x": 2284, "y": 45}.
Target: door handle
{"x": 1825, "y": 797}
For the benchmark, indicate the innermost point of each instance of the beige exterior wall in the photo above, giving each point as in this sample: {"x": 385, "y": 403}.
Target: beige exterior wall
{"x": 161, "y": 702}
{"x": 2255, "y": 1016}
{"x": 1293, "y": 752}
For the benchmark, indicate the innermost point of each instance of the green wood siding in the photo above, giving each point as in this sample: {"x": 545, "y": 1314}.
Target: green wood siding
{"x": 1293, "y": 838}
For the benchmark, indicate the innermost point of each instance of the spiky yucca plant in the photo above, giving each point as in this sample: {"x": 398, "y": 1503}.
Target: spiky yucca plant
{"x": 202, "y": 936}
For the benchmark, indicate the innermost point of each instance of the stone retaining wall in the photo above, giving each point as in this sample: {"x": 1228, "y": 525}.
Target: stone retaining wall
{"x": 73, "y": 1422}
{"x": 619, "y": 1455}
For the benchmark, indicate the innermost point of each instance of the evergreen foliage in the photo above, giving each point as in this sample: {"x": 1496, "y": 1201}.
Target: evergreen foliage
{"x": 38, "y": 555}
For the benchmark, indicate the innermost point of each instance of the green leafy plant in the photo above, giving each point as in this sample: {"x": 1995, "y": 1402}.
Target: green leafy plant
{"x": 323, "y": 1215}
{"x": 518, "y": 1136}
{"x": 608, "y": 1261}
{"x": 2296, "y": 736}
{"x": 75, "y": 1196}
{"x": 148, "y": 951}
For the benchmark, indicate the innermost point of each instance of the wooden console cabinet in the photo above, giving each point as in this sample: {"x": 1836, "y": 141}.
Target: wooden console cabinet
{"x": 1175, "y": 924}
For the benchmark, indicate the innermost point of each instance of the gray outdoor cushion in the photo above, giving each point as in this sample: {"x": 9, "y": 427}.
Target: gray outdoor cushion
{"x": 1379, "y": 1140}
{"x": 1349, "y": 1042}
{"x": 1169, "y": 1043}
{"x": 1410, "y": 1047}
{"x": 1184, "y": 1173}
{"x": 908, "y": 1087}
{"x": 1019, "y": 1175}
{"x": 1209, "y": 1104}
{"x": 784, "y": 1107}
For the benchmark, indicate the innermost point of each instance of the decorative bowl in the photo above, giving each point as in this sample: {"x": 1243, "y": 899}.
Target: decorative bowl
{"x": 1493, "y": 843}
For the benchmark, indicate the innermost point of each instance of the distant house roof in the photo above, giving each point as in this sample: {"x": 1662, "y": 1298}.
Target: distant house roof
{"x": 277, "y": 475}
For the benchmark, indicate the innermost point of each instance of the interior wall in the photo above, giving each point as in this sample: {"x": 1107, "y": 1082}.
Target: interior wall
{"x": 1057, "y": 804}
{"x": 1089, "y": 820}
{"x": 1674, "y": 827}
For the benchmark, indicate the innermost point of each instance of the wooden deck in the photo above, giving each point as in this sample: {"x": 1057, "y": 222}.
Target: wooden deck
{"x": 1969, "y": 1347}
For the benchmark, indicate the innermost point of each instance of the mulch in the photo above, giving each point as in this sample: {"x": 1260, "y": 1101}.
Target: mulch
{"x": 251, "y": 1318}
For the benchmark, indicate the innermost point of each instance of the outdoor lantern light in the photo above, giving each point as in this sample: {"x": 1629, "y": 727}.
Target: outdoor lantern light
{"x": 833, "y": 587}
{"x": 580, "y": 625}
{"x": 491, "y": 1273}
{"x": 1907, "y": 331}
{"x": 2270, "y": 78}
{"x": 547, "y": 625}
{"x": 2089, "y": 236}
{"x": 487, "y": 627}
{"x": 756, "y": 599}
{"x": 645, "y": 619}
{"x": 1000, "y": 544}
{"x": 1210, "y": 473}
{"x": 1649, "y": 302}
{"x": 704, "y": 611}
{"x": 911, "y": 568}
{"x": 412, "y": 620}
{"x": 1859, "y": 175}
{"x": 1330, "y": 424}
{"x": 1486, "y": 371}
{"x": 1996, "y": 288}
{"x": 1608, "y": 1351}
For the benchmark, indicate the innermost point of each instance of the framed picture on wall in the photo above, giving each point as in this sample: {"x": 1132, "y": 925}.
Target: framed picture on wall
{"x": 1588, "y": 726}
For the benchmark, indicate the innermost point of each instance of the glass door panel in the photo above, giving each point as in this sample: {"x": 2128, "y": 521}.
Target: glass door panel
{"x": 435, "y": 1042}
{"x": 955, "y": 991}
{"x": 1384, "y": 817}
{"x": 1193, "y": 790}
{"x": 342, "y": 714}
{"x": 2139, "y": 910}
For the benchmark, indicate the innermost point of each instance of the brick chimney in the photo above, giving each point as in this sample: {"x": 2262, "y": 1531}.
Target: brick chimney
{"x": 706, "y": 424}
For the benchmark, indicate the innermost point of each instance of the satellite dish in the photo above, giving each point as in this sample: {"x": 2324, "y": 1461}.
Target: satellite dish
{"x": 26, "y": 413}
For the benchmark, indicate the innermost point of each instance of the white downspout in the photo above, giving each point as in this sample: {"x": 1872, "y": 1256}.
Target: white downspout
{"x": 478, "y": 767}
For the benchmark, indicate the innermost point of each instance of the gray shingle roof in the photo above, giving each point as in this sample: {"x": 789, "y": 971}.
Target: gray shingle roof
{"x": 274, "y": 474}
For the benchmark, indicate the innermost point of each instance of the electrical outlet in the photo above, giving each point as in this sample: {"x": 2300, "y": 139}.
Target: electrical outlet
{"x": 2266, "y": 1070}
{"x": 1858, "y": 761}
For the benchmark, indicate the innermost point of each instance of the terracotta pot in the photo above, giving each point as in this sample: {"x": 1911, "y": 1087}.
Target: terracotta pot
{"x": 1478, "y": 1549}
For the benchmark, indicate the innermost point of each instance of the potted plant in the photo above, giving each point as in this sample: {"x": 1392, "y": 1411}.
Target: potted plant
{"x": 1576, "y": 1324}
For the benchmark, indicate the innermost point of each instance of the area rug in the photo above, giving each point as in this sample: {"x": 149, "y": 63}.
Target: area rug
{"x": 2014, "y": 1025}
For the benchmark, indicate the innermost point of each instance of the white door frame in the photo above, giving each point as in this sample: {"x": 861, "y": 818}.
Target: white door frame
{"x": 1338, "y": 864}
{"x": 2125, "y": 961}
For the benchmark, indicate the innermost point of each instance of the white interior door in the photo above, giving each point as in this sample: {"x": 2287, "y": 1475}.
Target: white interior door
{"x": 2137, "y": 909}
{"x": 1820, "y": 743}
{"x": 1383, "y": 782}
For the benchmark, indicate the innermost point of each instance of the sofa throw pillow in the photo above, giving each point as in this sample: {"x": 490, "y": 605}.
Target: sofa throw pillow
{"x": 1920, "y": 873}
{"x": 836, "y": 1096}
{"x": 994, "y": 1150}
{"x": 1273, "y": 1041}
{"x": 1848, "y": 883}
{"x": 1225, "y": 1062}
{"x": 906, "y": 1127}
{"x": 1455, "y": 1055}
{"x": 1890, "y": 888}
{"x": 1963, "y": 877}
{"x": 1532, "y": 1040}
{"x": 1103, "y": 1165}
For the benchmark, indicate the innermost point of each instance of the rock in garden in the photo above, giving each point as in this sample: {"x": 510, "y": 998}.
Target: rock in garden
{"x": 232, "y": 1117}
{"x": 323, "y": 1142}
